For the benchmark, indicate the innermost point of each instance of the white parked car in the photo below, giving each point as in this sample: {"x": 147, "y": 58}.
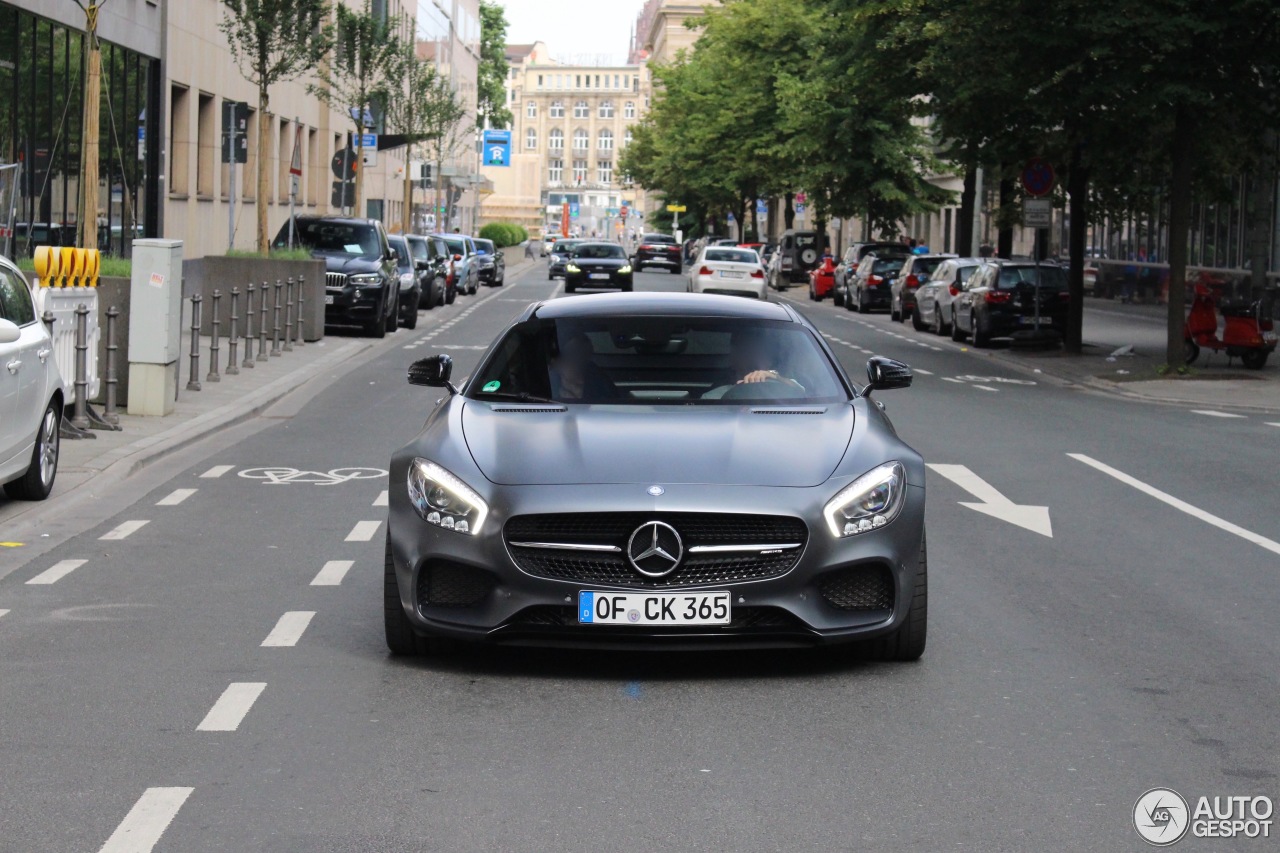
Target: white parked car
{"x": 728, "y": 270}
{"x": 933, "y": 297}
{"x": 31, "y": 393}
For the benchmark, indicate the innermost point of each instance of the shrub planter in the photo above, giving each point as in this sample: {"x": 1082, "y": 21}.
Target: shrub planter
{"x": 221, "y": 273}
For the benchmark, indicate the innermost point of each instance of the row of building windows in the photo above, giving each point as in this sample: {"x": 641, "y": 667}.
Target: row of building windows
{"x": 604, "y": 171}
{"x": 581, "y": 110}
{"x": 581, "y": 139}
{"x": 588, "y": 81}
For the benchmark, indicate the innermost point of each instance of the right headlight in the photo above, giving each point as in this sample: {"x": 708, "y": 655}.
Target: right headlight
{"x": 442, "y": 499}
{"x": 869, "y": 502}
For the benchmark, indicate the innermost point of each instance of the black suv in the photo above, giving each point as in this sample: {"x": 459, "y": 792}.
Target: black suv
{"x": 801, "y": 253}
{"x": 362, "y": 284}
{"x": 658, "y": 250}
{"x": 1003, "y": 297}
{"x": 493, "y": 265}
{"x": 410, "y": 281}
{"x": 431, "y": 260}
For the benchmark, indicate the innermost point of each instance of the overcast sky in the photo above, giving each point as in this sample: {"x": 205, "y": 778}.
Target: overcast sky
{"x": 578, "y": 30}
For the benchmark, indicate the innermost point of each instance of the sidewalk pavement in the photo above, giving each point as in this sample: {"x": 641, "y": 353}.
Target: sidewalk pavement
{"x": 197, "y": 415}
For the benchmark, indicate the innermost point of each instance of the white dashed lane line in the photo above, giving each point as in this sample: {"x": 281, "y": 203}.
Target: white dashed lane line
{"x": 922, "y": 371}
{"x": 1213, "y": 414}
{"x": 124, "y": 530}
{"x": 949, "y": 379}
{"x": 216, "y": 471}
{"x": 333, "y": 573}
{"x": 1273, "y": 423}
{"x": 56, "y": 572}
{"x": 363, "y": 531}
{"x": 3, "y": 612}
{"x": 142, "y": 827}
{"x": 176, "y": 497}
{"x": 232, "y": 706}
{"x": 987, "y": 388}
{"x": 382, "y": 499}
{"x": 289, "y": 629}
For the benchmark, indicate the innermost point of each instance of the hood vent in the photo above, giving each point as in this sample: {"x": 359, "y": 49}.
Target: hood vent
{"x": 529, "y": 409}
{"x": 788, "y": 411}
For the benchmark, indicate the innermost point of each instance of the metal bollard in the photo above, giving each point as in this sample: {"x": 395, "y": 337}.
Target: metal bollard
{"x": 275, "y": 322}
{"x": 109, "y": 413}
{"x": 213, "y": 344}
{"x": 301, "y": 338}
{"x": 262, "y": 325}
{"x": 48, "y": 319}
{"x": 233, "y": 336}
{"x": 80, "y": 416}
{"x": 248, "y": 327}
{"x": 193, "y": 384}
{"x": 288, "y": 316}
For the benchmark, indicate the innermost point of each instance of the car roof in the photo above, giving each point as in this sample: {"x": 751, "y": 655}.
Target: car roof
{"x": 661, "y": 304}
{"x": 349, "y": 220}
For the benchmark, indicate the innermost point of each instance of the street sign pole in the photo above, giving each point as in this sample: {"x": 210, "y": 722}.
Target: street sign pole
{"x": 231, "y": 182}
{"x": 295, "y": 171}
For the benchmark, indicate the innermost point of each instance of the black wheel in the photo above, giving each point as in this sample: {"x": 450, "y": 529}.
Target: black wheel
{"x": 917, "y": 322}
{"x": 1255, "y": 359}
{"x": 677, "y": 270}
{"x": 938, "y": 327}
{"x": 450, "y": 295}
{"x": 569, "y": 288}
{"x": 907, "y": 642}
{"x": 863, "y": 306}
{"x": 550, "y": 277}
{"x": 37, "y": 483}
{"x": 639, "y": 267}
{"x": 895, "y": 314}
{"x": 981, "y": 339}
{"x": 957, "y": 334}
{"x": 377, "y": 328}
{"x": 401, "y": 638}
{"x": 410, "y": 320}
{"x": 393, "y": 319}
{"x": 501, "y": 281}
{"x": 837, "y": 298}
{"x": 427, "y": 298}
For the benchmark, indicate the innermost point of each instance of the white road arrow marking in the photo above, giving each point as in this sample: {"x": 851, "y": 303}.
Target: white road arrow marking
{"x": 994, "y": 504}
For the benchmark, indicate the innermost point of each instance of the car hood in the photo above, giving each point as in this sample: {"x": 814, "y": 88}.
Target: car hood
{"x": 349, "y": 264}
{"x": 784, "y": 445}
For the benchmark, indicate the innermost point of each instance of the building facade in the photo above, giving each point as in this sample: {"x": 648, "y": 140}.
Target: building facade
{"x": 661, "y": 32}
{"x": 570, "y": 126}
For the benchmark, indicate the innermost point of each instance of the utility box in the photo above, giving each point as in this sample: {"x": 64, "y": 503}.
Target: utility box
{"x": 155, "y": 326}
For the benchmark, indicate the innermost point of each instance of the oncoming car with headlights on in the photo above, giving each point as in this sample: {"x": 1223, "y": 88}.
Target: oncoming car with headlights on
{"x": 644, "y": 469}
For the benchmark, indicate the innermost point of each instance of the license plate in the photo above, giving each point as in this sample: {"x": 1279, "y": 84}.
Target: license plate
{"x": 653, "y": 608}
{"x": 726, "y": 274}
{"x": 599, "y": 276}
{"x": 328, "y": 299}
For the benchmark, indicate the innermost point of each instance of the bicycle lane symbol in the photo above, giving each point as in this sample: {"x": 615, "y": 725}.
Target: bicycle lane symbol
{"x": 280, "y": 476}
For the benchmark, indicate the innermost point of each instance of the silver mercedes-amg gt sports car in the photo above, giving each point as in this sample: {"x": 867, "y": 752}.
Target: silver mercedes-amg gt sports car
{"x": 658, "y": 470}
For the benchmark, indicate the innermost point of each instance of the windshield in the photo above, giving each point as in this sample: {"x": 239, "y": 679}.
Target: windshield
{"x": 564, "y": 247}
{"x": 1049, "y": 276}
{"x": 418, "y": 247}
{"x": 963, "y": 273}
{"x": 923, "y": 266}
{"x": 456, "y": 247}
{"x": 340, "y": 238}
{"x": 485, "y": 247}
{"x": 887, "y": 266}
{"x": 639, "y": 360}
{"x": 599, "y": 250}
{"x": 733, "y": 256}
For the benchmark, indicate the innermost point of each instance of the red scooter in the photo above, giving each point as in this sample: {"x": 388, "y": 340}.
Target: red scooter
{"x": 1248, "y": 334}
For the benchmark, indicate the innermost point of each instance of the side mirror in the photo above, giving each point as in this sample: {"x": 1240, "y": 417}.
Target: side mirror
{"x": 9, "y": 331}
{"x": 885, "y": 374}
{"x": 395, "y": 256}
{"x": 422, "y": 265}
{"x": 433, "y": 372}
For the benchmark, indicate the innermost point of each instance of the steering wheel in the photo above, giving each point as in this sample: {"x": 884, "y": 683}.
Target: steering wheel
{"x": 772, "y": 389}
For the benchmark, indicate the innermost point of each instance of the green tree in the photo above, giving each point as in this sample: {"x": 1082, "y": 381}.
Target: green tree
{"x": 355, "y": 80}
{"x": 416, "y": 94}
{"x": 492, "y": 82}
{"x": 444, "y": 128}
{"x": 273, "y": 41}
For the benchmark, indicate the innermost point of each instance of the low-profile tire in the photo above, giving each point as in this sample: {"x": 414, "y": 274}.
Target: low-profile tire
{"x": 377, "y": 328}
{"x": 402, "y": 640}
{"x": 939, "y": 328}
{"x": 1255, "y": 359}
{"x": 957, "y": 334}
{"x": 411, "y": 321}
{"x": 981, "y": 339}
{"x": 836, "y": 298}
{"x": 907, "y": 642}
{"x": 393, "y": 319}
{"x": 916, "y": 322}
{"x": 37, "y": 483}
{"x": 450, "y": 298}
{"x": 427, "y": 298}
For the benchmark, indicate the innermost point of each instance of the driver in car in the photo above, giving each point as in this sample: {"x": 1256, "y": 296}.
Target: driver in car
{"x": 751, "y": 361}
{"x": 575, "y": 377}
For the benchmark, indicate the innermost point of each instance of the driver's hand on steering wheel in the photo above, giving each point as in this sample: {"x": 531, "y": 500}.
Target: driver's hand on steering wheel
{"x": 766, "y": 376}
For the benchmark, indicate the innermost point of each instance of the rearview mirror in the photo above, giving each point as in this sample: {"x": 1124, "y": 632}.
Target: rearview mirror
{"x": 433, "y": 371}
{"x": 885, "y": 374}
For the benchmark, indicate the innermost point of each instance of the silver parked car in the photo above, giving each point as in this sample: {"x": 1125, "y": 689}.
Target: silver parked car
{"x": 933, "y": 298}
{"x": 31, "y": 393}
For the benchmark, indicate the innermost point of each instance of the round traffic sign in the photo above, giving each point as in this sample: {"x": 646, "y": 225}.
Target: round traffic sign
{"x": 1038, "y": 178}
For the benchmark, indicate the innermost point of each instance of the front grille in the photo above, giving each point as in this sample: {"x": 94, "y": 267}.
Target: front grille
{"x": 445, "y": 584}
{"x": 563, "y": 616}
{"x": 695, "y": 529}
{"x": 335, "y": 279}
{"x": 868, "y": 587}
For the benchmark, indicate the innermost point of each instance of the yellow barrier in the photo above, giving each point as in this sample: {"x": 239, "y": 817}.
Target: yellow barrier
{"x": 63, "y": 266}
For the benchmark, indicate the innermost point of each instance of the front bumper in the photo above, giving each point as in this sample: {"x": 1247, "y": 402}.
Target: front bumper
{"x": 354, "y": 306}
{"x": 506, "y": 605}
{"x": 658, "y": 259}
{"x": 622, "y": 281}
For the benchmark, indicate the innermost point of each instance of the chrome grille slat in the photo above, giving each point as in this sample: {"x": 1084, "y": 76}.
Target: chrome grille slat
{"x": 335, "y": 279}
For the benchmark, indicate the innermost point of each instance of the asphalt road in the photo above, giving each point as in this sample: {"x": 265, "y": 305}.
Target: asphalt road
{"x": 212, "y": 675}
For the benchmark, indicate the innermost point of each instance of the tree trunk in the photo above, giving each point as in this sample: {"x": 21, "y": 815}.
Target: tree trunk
{"x": 741, "y": 216}
{"x": 964, "y": 228}
{"x": 1004, "y": 241}
{"x": 1181, "y": 154}
{"x": 264, "y": 139}
{"x": 406, "y": 216}
{"x": 789, "y": 212}
{"x": 1261, "y": 202}
{"x": 1078, "y": 188}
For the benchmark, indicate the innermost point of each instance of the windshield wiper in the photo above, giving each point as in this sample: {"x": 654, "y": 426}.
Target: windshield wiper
{"x": 522, "y": 397}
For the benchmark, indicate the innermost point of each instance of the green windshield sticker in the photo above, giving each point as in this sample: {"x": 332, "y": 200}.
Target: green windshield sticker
{"x": 492, "y": 386}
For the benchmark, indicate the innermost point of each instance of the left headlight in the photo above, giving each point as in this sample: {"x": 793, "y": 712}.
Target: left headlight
{"x": 869, "y": 502}
{"x": 624, "y": 269}
{"x": 365, "y": 279}
{"x": 572, "y": 267}
{"x": 442, "y": 499}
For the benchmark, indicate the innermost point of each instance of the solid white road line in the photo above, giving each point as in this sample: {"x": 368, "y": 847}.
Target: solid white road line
{"x": 949, "y": 379}
{"x": 1272, "y": 423}
{"x": 986, "y": 388}
{"x": 216, "y": 471}
{"x": 232, "y": 706}
{"x": 1212, "y": 414}
{"x": 3, "y": 612}
{"x": 382, "y": 499}
{"x": 1180, "y": 505}
{"x": 124, "y": 530}
{"x": 333, "y": 573}
{"x": 289, "y": 629}
{"x": 57, "y": 572}
{"x": 363, "y": 531}
{"x": 176, "y": 497}
{"x": 147, "y": 820}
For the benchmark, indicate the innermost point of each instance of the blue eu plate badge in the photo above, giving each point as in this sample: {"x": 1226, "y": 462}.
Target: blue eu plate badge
{"x": 586, "y": 606}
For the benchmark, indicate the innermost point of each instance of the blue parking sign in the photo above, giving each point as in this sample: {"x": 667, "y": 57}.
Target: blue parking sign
{"x": 497, "y": 148}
